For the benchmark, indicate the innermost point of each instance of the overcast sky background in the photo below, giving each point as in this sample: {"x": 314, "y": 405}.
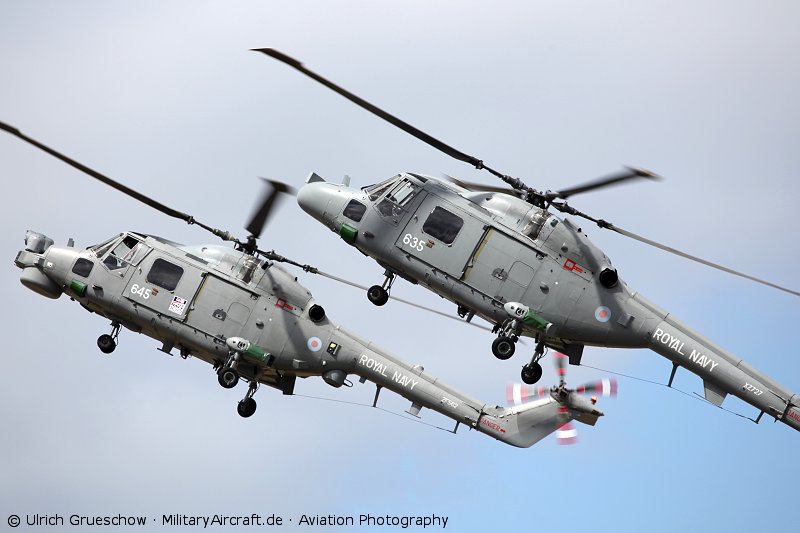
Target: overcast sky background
{"x": 166, "y": 97}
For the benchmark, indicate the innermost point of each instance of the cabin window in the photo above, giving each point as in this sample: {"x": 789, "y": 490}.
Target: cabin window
{"x": 82, "y": 267}
{"x": 443, "y": 225}
{"x": 164, "y": 274}
{"x": 354, "y": 210}
{"x": 123, "y": 254}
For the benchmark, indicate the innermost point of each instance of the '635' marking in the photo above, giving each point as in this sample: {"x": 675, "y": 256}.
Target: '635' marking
{"x": 414, "y": 243}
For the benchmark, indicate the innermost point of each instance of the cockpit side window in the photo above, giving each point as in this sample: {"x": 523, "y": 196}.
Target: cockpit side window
{"x": 354, "y": 210}
{"x": 123, "y": 254}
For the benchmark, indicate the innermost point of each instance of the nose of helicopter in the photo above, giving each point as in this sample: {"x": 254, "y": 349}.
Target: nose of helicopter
{"x": 45, "y": 268}
{"x": 324, "y": 201}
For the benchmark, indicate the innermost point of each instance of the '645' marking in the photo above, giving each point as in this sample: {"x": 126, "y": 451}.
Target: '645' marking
{"x": 142, "y": 292}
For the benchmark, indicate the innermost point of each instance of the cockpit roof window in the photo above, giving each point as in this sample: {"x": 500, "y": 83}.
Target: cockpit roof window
{"x": 375, "y": 191}
{"x": 402, "y": 193}
{"x": 393, "y": 204}
{"x": 100, "y": 249}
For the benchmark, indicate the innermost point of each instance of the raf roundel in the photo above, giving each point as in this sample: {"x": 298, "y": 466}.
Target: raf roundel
{"x": 314, "y": 344}
{"x": 602, "y": 314}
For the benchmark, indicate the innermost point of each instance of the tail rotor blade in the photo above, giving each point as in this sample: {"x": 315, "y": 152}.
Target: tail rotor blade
{"x": 518, "y": 394}
{"x": 566, "y": 432}
{"x": 605, "y": 387}
{"x": 561, "y": 366}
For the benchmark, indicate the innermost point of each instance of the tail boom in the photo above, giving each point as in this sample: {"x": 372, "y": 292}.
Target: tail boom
{"x": 722, "y": 372}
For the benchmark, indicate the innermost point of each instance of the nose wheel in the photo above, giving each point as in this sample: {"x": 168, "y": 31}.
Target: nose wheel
{"x": 228, "y": 377}
{"x": 108, "y": 343}
{"x": 505, "y": 344}
{"x": 379, "y": 294}
{"x": 503, "y": 347}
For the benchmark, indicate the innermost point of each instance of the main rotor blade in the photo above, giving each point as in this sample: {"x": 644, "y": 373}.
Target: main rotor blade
{"x": 225, "y": 235}
{"x": 405, "y": 126}
{"x": 565, "y": 208}
{"x": 480, "y": 187}
{"x": 259, "y": 219}
{"x": 699, "y": 259}
{"x": 272, "y": 256}
{"x": 629, "y": 173}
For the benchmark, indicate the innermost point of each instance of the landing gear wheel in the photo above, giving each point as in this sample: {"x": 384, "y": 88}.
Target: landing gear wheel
{"x": 246, "y": 408}
{"x": 228, "y": 377}
{"x": 106, "y": 343}
{"x": 503, "y": 348}
{"x": 377, "y": 295}
{"x": 531, "y": 373}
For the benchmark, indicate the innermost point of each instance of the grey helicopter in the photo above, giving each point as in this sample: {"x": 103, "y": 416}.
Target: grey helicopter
{"x": 248, "y": 317}
{"x": 500, "y": 254}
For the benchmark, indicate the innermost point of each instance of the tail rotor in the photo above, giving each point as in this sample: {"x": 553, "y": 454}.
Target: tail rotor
{"x": 572, "y": 405}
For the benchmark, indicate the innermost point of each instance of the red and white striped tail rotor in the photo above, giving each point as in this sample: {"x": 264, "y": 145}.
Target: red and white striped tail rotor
{"x": 561, "y": 367}
{"x": 605, "y": 387}
{"x": 566, "y": 432}
{"x": 518, "y": 394}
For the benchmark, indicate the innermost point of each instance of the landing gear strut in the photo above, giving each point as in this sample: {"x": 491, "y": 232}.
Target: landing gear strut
{"x": 228, "y": 376}
{"x": 532, "y": 372}
{"x": 247, "y": 406}
{"x": 108, "y": 343}
{"x": 379, "y": 294}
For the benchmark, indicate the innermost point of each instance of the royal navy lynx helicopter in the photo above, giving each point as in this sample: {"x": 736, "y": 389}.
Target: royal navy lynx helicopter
{"x": 500, "y": 254}
{"x": 237, "y": 310}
